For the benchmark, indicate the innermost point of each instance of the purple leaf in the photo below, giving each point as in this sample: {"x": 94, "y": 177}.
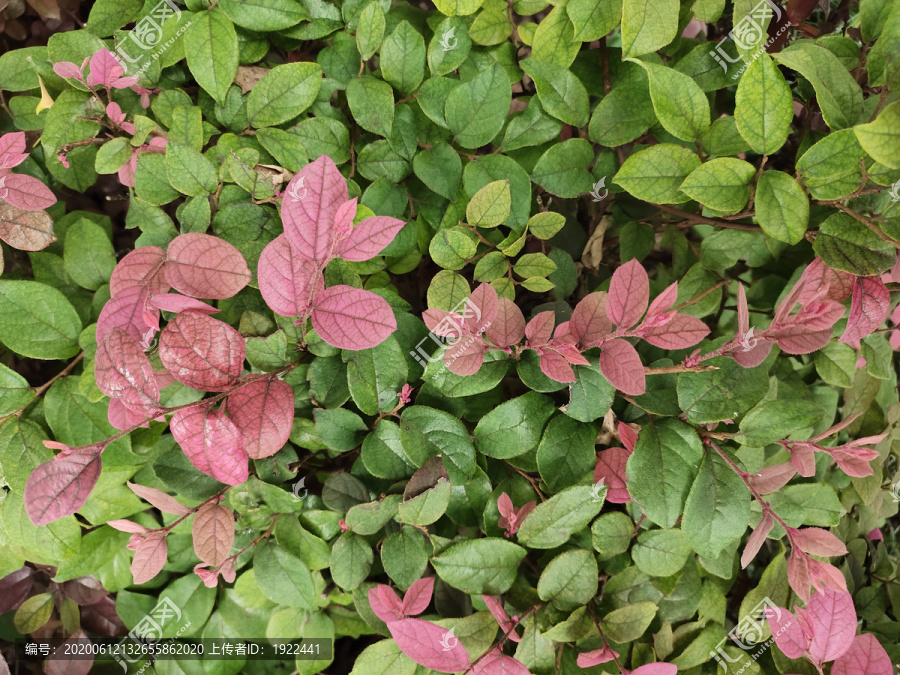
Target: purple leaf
{"x": 611, "y": 469}
{"x": 65, "y": 662}
{"x": 202, "y": 352}
{"x": 213, "y": 533}
{"x": 123, "y": 371}
{"x": 589, "y": 323}
{"x": 368, "y": 238}
{"x": 508, "y": 328}
{"x": 418, "y": 597}
{"x": 308, "y": 210}
{"x": 263, "y": 412}
{"x": 212, "y": 442}
{"x": 870, "y": 305}
{"x": 287, "y": 280}
{"x": 385, "y": 603}
{"x": 833, "y": 619}
{"x": 679, "y": 332}
{"x": 61, "y": 486}
{"x": 429, "y": 645}
{"x": 159, "y": 499}
{"x": 149, "y": 556}
{"x": 498, "y": 663}
{"x": 26, "y": 192}
{"x": 141, "y": 267}
{"x": 204, "y": 266}
{"x": 15, "y": 588}
{"x": 351, "y": 318}
{"x": 621, "y": 365}
{"x": 866, "y": 656}
{"x": 629, "y": 294}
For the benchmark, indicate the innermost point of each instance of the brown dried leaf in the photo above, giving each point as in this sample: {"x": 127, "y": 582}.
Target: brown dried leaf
{"x": 25, "y": 230}
{"x": 248, "y": 76}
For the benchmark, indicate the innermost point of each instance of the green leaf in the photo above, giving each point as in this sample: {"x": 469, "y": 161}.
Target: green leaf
{"x": 611, "y": 534}
{"x": 33, "y": 613}
{"x": 404, "y": 555}
{"x": 426, "y": 508}
{"x": 546, "y": 224}
{"x": 89, "y": 255}
{"x": 661, "y": 553}
{"x": 513, "y": 428}
{"x": 881, "y": 138}
{"x": 382, "y": 452}
{"x": 837, "y": 93}
{"x": 150, "y": 181}
{"x": 532, "y": 126}
{"x": 15, "y": 394}
{"x": 717, "y": 510}
{"x": 376, "y": 375}
{"x": 836, "y": 364}
{"x": 440, "y": 168}
{"x": 489, "y": 168}
{"x": 264, "y": 15}
{"x": 680, "y": 104}
{"x": 489, "y": 206}
{"x": 763, "y": 108}
{"x": 189, "y": 171}
{"x": 112, "y": 155}
{"x": 628, "y": 623}
{"x": 284, "y": 93}
{"x": 403, "y": 58}
{"x": 647, "y": 26}
{"x": 449, "y": 47}
{"x": 372, "y": 103}
{"x": 846, "y": 244}
{"x": 351, "y": 560}
{"x": 452, "y": 247}
{"x": 491, "y": 27}
{"x": 534, "y": 265}
{"x": 103, "y": 555}
{"x": 776, "y": 420}
{"x": 569, "y": 580}
{"x": 552, "y": 522}
{"x": 426, "y": 432}
{"x": 560, "y": 92}
{"x": 370, "y": 30}
{"x": 107, "y": 16}
{"x": 485, "y": 565}
{"x": 722, "y": 184}
{"x": 282, "y": 577}
{"x": 820, "y": 503}
{"x": 213, "y": 54}
{"x": 476, "y": 110}
{"x": 44, "y": 544}
{"x": 340, "y": 429}
{"x": 723, "y": 138}
{"x": 782, "y": 207}
{"x": 661, "y": 469}
{"x": 37, "y": 321}
{"x": 370, "y": 517}
{"x": 554, "y": 40}
{"x": 656, "y": 173}
{"x": 186, "y": 127}
{"x": 591, "y": 394}
{"x": 566, "y": 453}
{"x": 593, "y": 19}
{"x": 563, "y": 169}
{"x": 717, "y": 395}
{"x": 458, "y": 7}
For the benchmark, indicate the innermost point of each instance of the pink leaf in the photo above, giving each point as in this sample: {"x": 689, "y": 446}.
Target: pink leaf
{"x": 772, "y": 478}
{"x": 429, "y": 645}
{"x": 204, "y": 266}
{"x": 480, "y": 308}
{"x": 788, "y": 632}
{"x": 173, "y": 302}
{"x": 866, "y": 656}
{"x": 263, "y": 411}
{"x": 629, "y": 294}
{"x": 595, "y": 657}
{"x": 123, "y": 371}
{"x": 12, "y": 150}
{"x": 114, "y": 112}
{"x": 556, "y": 367}
{"x": 126, "y": 310}
{"x": 465, "y": 356}
{"x": 498, "y": 663}
{"x": 621, "y": 365}
{"x": 506, "y": 509}
{"x": 820, "y": 280}
{"x": 385, "y": 603}
{"x": 288, "y": 282}
{"x": 803, "y": 458}
{"x": 105, "y": 69}
{"x": 149, "y": 556}
{"x": 798, "y": 574}
{"x": 212, "y": 443}
{"x": 508, "y": 328}
{"x": 368, "y": 238}
{"x": 213, "y": 533}
{"x": 159, "y": 499}
{"x": 589, "y": 323}
{"x": 539, "y": 330}
{"x": 343, "y": 219}
{"x": 854, "y": 461}
{"x": 664, "y": 300}
{"x": 507, "y": 626}
{"x": 141, "y": 267}
{"x": 657, "y": 668}
{"x": 822, "y": 575}
{"x": 679, "y": 332}
{"x": 126, "y": 526}
{"x": 351, "y": 318}
{"x": 26, "y": 192}
{"x": 753, "y": 356}
{"x": 202, "y": 352}
{"x": 628, "y": 436}
{"x": 816, "y": 541}
{"x": 869, "y": 307}
{"x": 611, "y": 469}
{"x": 61, "y": 486}
{"x": 123, "y": 418}
{"x": 757, "y": 538}
{"x": 309, "y": 207}
{"x": 797, "y": 340}
{"x": 833, "y": 619}
{"x": 569, "y": 352}
{"x": 443, "y": 323}
{"x": 418, "y": 597}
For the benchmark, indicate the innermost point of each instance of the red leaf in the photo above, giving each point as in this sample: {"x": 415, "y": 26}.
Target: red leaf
{"x": 611, "y": 468}
{"x": 12, "y": 149}
{"x": 149, "y": 556}
{"x": 508, "y": 328}
{"x": 820, "y": 280}
{"x": 263, "y": 412}
{"x": 480, "y": 308}
{"x": 351, "y": 318}
{"x": 15, "y": 588}
{"x": 540, "y": 329}
{"x": 385, "y": 603}
{"x": 869, "y": 307}
{"x": 308, "y": 210}
{"x": 141, "y": 267}
{"x": 418, "y": 597}
{"x": 159, "y": 499}
{"x": 595, "y": 657}
{"x": 25, "y": 230}
{"x": 368, "y": 238}
{"x": 771, "y": 478}
{"x": 589, "y": 323}
{"x": 61, "y": 486}
{"x": 679, "y": 332}
{"x": 629, "y": 294}
{"x": 866, "y": 656}
{"x": 429, "y": 645}
{"x": 498, "y": 663}
{"x": 556, "y": 367}
{"x": 833, "y": 619}
{"x": 757, "y": 538}
{"x": 202, "y": 352}
{"x": 621, "y": 365}
{"x": 26, "y": 192}
{"x": 213, "y": 533}
{"x": 204, "y": 266}
{"x": 212, "y": 443}
{"x": 287, "y": 281}
{"x": 123, "y": 371}
{"x": 816, "y": 541}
